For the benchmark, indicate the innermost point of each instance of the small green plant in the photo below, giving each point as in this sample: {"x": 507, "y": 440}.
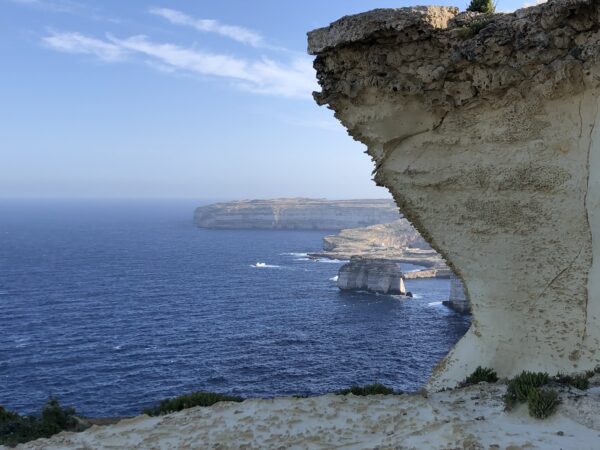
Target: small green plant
{"x": 518, "y": 388}
{"x": 17, "y": 429}
{"x": 482, "y": 6}
{"x": 175, "y": 404}
{"x": 481, "y": 374}
{"x": 468, "y": 31}
{"x": 369, "y": 389}
{"x": 577, "y": 381}
{"x": 541, "y": 403}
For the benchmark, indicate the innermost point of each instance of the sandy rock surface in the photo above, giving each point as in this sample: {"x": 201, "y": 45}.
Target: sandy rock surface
{"x": 471, "y": 418}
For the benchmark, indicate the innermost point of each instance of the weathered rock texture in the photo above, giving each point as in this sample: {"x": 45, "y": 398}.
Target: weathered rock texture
{"x": 373, "y": 275}
{"x": 467, "y": 418}
{"x": 457, "y": 300}
{"x": 484, "y": 129}
{"x": 296, "y": 214}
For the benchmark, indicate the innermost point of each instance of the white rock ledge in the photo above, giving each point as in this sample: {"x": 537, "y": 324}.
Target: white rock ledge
{"x": 483, "y": 127}
{"x": 470, "y": 418}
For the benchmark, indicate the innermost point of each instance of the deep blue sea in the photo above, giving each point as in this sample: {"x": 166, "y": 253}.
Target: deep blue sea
{"x": 112, "y": 306}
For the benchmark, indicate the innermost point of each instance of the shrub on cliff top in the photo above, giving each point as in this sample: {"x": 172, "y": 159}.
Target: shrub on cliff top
{"x": 16, "y": 429}
{"x": 541, "y": 403}
{"x": 481, "y": 374}
{"x": 482, "y": 6}
{"x": 518, "y": 388}
{"x": 369, "y": 389}
{"x": 175, "y": 404}
{"x": 577, "y": 381}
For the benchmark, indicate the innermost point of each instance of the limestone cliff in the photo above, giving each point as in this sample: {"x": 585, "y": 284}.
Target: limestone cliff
{"x": 296, "y": 214}
{"x": 483, "y": 127}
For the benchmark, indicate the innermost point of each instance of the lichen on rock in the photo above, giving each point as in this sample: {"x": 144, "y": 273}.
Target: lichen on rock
{"x": 483, "y": 127}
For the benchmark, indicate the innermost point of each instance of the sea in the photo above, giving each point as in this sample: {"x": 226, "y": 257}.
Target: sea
{"x": 111, "y": 306}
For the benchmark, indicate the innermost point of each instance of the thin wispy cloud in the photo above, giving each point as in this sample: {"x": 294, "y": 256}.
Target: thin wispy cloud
{"x": 293, "y": 78}
{"x": 79, "y": 44}
{"x": 237, "y": 33}
{"x": 67, "y": 7}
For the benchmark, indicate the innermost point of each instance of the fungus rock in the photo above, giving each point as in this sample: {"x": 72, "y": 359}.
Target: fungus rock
{"x": 484, "y": 128}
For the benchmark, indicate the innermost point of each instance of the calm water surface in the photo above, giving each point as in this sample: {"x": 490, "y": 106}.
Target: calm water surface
{"x": 113, "y": 306}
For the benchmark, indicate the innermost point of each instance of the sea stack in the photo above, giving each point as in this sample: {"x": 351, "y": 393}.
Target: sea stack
{"x": 484, "y": 128}
{"x": 381, "y": 276}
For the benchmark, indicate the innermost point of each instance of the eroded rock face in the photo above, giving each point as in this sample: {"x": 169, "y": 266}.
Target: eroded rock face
{"x": 484, "y": 129}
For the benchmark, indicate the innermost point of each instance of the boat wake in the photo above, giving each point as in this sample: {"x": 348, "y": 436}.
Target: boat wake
{"x": 262, "y": 265}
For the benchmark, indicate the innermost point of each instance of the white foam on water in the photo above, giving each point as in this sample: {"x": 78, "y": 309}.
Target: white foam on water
{"x": 334, "y": 278}
{"x": 434, "y": 304}
{"x": 334, "y": 261}
{"x": 299, "y": 255}
{"x": 262, "y": 265}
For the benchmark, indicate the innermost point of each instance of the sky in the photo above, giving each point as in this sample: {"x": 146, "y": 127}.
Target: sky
{"x": 173, "y": 99}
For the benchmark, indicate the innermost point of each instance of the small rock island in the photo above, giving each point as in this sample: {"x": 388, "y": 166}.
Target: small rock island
{"x": 373, "y": 275}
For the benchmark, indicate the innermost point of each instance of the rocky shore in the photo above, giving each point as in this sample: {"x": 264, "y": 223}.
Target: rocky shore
{"x": 296, "y": 214}
{"x": 397, "y": 242}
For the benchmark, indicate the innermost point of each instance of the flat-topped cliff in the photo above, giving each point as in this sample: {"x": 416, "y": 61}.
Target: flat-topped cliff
{"x": 296, "y": 214}
{"x": 485, "y": 129}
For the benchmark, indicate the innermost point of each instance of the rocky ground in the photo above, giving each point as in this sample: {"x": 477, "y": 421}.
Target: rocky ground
{"x": 469, "y": 418}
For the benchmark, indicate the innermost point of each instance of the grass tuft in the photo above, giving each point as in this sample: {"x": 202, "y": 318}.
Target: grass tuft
{"x": 481, "y": 374}
{"x": 577, "y": 381}
{"x": 541, "y": 403}
{"x": 175, "y": 404}
{"x": 519, "y": 387}
{"x": 369, "y": 389}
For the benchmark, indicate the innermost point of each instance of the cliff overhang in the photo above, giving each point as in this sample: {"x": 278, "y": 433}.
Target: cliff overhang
{"x": 483, "y": 127}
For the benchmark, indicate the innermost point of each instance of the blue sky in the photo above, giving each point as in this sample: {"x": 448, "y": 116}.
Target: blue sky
{"x": 151, "y": 99}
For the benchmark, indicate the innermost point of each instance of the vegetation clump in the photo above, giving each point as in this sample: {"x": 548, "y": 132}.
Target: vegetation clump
{"x": 481, "y": 374}
{"x": 482, "y": 6}
{"x": 175, "y": 404}
{"x": 473, "y": 28}
{"x": 577, "y": 381}
{"x": 541, "y": 403}
{"x": 519, "y": 387}
{"x": 528, "y": 387}
{"x": 369, "y": 389}
{"x": 16, "y": 429}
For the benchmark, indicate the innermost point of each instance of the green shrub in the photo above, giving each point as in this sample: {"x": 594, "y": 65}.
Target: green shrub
{"x": 577, "y": 381}
{"x": 369, "y": 389}
{"x": 468, "y": 31}
{"x": 481, "y": 374}
{"x": 16, "y": 429}
{"x": 518, "y": 388}
{"x": 541, "y": 403}
{"x": 482, "y": 6}
{"x": 189, "y": 401}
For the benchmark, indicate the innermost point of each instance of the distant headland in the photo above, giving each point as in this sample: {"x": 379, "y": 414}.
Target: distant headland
{"x": 296, "y": 214}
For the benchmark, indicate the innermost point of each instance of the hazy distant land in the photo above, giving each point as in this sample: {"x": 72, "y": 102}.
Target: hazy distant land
{"x": 296, "y": 214}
